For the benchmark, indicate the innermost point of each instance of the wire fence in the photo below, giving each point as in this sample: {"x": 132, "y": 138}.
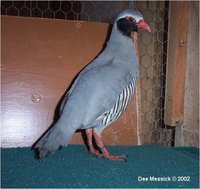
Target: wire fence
{"x": 153, "y": 49}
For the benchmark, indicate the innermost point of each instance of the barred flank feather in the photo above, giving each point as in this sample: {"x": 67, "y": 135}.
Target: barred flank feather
{"x": 120, "y": 105}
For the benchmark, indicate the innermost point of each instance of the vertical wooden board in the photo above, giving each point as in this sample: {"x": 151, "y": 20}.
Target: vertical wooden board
{"x": 40, "y": 58}
{"x": 176, "y": 62}
{"x": 138, "y": 91}
{"x": 190, "y": 130}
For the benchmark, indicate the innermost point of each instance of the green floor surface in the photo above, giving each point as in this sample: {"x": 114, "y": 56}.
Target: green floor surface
{"x": 148, "y": 166}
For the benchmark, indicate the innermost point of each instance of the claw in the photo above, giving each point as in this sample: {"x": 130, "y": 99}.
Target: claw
{"x": 95, "y": 153}
{"x": 116, "y": 158}
{"x": 110, "y": 157}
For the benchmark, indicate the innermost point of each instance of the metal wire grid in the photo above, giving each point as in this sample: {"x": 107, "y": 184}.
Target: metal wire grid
{"x": 153, "y": 57}
{"x": 152, "y": 47}
{"x": 98, "y": 11}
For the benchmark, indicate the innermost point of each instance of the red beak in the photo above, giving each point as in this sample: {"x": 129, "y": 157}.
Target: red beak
{"x": 143, "y": 25}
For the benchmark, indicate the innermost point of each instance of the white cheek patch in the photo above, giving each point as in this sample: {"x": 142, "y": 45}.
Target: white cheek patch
{"x": 138, "y": 18}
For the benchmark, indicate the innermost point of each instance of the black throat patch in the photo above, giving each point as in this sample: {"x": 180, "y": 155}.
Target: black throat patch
{"x": 126, "y": 27}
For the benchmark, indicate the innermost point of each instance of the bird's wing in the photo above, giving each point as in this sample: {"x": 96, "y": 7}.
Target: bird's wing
{"x": 95, "y": 91}
{"x": 101, "y": 60}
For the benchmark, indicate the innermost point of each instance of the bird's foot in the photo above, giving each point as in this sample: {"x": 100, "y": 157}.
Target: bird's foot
{"x": 95, "y": 153}
{"x": 107, "y": 155}
{"x": 104, "y": 152}
{"x": 115, "y": 157}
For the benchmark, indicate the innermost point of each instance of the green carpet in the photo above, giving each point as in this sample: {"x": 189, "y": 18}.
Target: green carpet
{"x": 73, "y": 167}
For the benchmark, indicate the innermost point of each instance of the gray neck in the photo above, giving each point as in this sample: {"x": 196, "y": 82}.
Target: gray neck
{"x": 120, "y": 43}
{"x": 123, "y": 48}
{"x": 118, "y": 38}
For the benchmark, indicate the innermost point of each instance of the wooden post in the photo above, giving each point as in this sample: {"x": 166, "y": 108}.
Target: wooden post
{"x": 188, "y": 134}
{"x": 176, "y": 63}
{"x": 138, "y": 92}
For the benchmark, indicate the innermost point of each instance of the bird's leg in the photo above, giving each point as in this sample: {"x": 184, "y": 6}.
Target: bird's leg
{"x": 92, "y": 150}
{"x": 105, "y": 152}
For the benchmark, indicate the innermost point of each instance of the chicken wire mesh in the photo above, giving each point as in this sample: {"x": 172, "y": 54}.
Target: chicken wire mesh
{"x": 152, "y": 47}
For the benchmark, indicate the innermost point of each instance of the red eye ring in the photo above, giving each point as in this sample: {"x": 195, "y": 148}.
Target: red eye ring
{"x": 130, "y": 18}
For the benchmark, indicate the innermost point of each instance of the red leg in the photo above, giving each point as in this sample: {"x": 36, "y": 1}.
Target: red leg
{"x": 89, "y": 142}
{"x": 105, "y": 152}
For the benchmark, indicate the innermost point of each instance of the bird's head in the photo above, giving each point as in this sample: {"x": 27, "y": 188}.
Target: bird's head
{"x": 130, "y": 20}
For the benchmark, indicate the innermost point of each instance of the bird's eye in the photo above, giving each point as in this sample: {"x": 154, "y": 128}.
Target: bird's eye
{"x": 131, "y": 19}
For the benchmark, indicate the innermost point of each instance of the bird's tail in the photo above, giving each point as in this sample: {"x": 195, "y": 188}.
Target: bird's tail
{"x": 52, "y": 140}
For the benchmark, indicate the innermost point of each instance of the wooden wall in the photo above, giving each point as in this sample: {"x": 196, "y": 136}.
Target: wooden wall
{"x": 190, "y": 128}
{"x": 40, "y": 58}
{"x": 182, "y": 88}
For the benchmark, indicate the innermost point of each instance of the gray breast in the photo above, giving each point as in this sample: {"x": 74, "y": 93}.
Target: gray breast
{"x": 119, "y": 106}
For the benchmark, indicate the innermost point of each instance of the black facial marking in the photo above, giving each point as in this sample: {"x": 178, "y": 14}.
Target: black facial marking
{"x": 126, "y": 27}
